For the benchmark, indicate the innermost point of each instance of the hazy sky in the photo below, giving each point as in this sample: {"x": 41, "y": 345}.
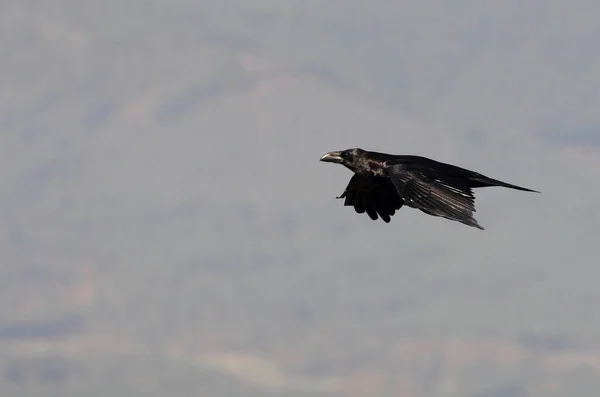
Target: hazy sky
{"x": 187, "y": 134}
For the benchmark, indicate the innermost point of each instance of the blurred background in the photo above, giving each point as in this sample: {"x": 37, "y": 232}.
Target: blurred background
{"x": 168, "y": 230}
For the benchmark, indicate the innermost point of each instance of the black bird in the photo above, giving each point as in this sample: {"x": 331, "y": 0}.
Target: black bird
{"x": 382, "y": 183}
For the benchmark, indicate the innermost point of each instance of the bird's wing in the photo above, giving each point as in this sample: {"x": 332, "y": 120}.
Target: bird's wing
{"x": 421, "y": 188}
{"x": 375, "y": 196}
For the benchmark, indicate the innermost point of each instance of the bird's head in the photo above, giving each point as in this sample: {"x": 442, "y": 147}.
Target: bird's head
{"x": 350, "y": 158}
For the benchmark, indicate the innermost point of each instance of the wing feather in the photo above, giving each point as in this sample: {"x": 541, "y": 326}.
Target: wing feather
{"x": 423, "y": 190}
{"x": 375, "y": 196}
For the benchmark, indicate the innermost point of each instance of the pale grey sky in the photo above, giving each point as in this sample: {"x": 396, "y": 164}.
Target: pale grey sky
{"x": 183, "y": 137}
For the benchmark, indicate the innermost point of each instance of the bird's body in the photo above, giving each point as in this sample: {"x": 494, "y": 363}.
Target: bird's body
{"x": 382, "y": 183}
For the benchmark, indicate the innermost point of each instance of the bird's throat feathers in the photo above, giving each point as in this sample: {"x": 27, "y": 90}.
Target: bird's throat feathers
{"x": 368, "y": 167}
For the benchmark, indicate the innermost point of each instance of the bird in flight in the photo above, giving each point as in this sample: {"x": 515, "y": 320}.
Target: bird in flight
{"x": 382, "y": 183}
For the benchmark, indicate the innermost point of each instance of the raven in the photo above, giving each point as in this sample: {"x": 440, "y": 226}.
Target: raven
{"x": 382, "y": 183}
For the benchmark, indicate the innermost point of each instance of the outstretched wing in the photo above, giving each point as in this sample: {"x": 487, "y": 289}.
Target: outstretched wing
{"x": 375, "y": 196}
{"x": 422, "y": 189}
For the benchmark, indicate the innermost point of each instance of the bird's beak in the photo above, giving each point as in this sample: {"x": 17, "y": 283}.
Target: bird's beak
{"x": 332, "y": 157}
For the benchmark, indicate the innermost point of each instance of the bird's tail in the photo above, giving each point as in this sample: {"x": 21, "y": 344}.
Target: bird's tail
{"x": 484, "y": 181}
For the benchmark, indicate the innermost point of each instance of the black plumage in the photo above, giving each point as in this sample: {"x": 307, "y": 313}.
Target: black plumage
{"x": 382, "y": 183}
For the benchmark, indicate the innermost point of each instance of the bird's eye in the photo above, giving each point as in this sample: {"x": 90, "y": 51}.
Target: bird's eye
{"x": 345, "y": 155}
